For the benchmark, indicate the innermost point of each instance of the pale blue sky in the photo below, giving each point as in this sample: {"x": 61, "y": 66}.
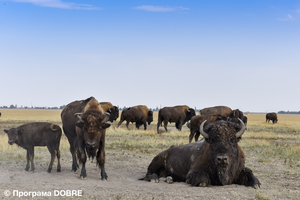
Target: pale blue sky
{"x": 243, "y": 54}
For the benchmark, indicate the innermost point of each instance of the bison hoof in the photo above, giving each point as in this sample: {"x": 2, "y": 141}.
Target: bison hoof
{"x": 82, "y": 178}
{"x": 203, "y": 184}
{"x": 58, "y": 170}
{"x": 169, "y": 180}
{"x": 154, "y": 178}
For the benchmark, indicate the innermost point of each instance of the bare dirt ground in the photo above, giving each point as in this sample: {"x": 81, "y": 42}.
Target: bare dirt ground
{"x": 124, "y": 170}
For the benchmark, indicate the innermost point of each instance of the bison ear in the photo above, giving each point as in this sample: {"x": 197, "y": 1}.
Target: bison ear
{"x": 105, "y": 126}
{"x": 79, "y": 124}
{"x": 6, "y": 131}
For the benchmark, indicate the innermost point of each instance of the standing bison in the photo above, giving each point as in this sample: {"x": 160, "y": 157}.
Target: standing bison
{"x": 84, "y": 124}
{"x": 196, "y": 122}
{"x": 217, "y": 110}
{"x": 37, "y": 134}
{"x": 215, "y": 160}
{"x": 178, "y": 114}
{"x": 139, "y": 114}
{"x": 112, "y": 110}
{"x": 271, "y": 116}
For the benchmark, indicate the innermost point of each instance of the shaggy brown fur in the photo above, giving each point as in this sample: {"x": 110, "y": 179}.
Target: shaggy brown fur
{"x": 271, "y": 116}
{"x": 215, "y": 160}
{"x": 217, "y": 110}
{"x": 178, "y": 114}
{"x": 37, "y": 134}
{"x": 86, "y": 136}
{"x": 113, "y": 110}
{"x": 196, "y": 122}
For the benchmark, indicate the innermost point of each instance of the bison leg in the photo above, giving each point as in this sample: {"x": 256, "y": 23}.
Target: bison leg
{"x": 247, "y": 178}
{"x": 120, "y": 122}
{"x": 165, "y": 125}
{"x": 82, "y": 159}
{"x": 192, "y": 133}
{"x": 199, "y": 178}
{"x": 197, "y": 136}
{"x": 101, "y": 162}
{"x": 52, "y": 152}
{"x": 155, "y": 169}
{"x": 31, "y": 156}
{"x": 58, "y": 160}
{"x": 127, "y": 124}
{"x": 75, "y": 165}
{"x": 27, "y": 157}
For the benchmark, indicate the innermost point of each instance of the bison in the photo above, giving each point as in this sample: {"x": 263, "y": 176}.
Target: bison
{"x": 139, "y": 114}
{"x": 84, "y": 124}
{"x": 217, "y": 110}
{"x": 215, "y": 160}
{"x": 271, "y": 116}
{"x": 37, "y": 134}
{"x": 178, "y": 114}
{"x": 196, "y": 122}
{"x": 112, "y": 110}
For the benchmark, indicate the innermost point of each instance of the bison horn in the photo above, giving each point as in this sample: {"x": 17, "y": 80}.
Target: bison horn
{"x": 78, "y": 116}
{"x": 105, "y": 118}
{"x": 202, "y": 132}
{"x": 240, "y": 133}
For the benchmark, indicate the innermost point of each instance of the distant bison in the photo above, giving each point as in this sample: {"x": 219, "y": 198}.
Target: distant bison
{"x": 84, "y": 124}
{"x": 215, "y": 160}
{"x": 112, "y": 110}
{"x": 196, "y": 122}
{"x": 217, "y": 110}
{"x": 271, "y": 116}
{"x": 37, "y": 134}
{"x": 178, "y": 114}
{"x": 139, "y": 114}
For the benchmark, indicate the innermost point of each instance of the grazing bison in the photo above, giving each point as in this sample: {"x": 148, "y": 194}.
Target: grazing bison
{"x": 196, "y": 122}
{"x": 215, "y": 160}
{"x": 217, "y": 110}
{"x": 271, "y": 116}
{"x": 178, "y": 114}
{"x": 37, "y": 134}
{"x": 139, "y": 114}
{"x": 84, "y": 124}
{"x": 112, "y": 110}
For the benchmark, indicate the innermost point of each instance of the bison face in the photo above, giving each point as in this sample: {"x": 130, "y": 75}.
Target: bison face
{"x": 92, "y": 123}
{"x": 150, "y": 117}
{"x": 223, "y": 138}
{"x": 12, "y": 135}
{"x": 190, "y": 113}
{"x": 114, "y": 113}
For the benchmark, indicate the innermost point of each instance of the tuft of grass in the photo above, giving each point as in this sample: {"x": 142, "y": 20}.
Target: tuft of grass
{"x": 260, "y": 196}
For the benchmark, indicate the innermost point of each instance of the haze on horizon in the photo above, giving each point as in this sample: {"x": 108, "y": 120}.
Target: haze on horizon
{"x": 242, "y": 54}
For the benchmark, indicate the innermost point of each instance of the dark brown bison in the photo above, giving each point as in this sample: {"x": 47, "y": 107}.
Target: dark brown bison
{"x": 217, "y": 110}
{"x": 215, "y": 160}
{"x": 37, "y": 134}
{"x": 178, "y": 114}
{"x": 84, "y": 124}
{"x": 139, "y": 114}
{"x": 196, "y": 122}
{"x": 112, "y": 110}
{"x": 271, "y": 116}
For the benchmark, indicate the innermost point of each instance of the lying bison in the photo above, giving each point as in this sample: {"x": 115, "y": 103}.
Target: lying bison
{"x": 112, "y": 110}
{"x": 217, "y": 110}
{"x": 84, "y": 124}
{"x": 139, "y": 114}
{"x": 178, "y": 114}
{"x": 196, "y": 122}
{"x": 215, "y": 160}
{"x": 37, "y": 134}
{"x": 271, "y": 116}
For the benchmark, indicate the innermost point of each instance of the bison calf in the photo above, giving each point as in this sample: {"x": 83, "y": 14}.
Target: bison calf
{"x": 37, "y": 134}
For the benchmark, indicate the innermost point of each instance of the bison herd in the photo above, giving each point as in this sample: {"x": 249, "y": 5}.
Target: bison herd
{"x": 216, "y": 159}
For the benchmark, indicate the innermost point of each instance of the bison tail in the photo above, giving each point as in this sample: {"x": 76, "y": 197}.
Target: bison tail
{"x": 54, "y": 127}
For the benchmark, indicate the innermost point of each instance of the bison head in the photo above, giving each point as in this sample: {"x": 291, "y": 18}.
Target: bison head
{"x": 223, "y": 137}
{"x": 12, "y": 135}
{"x": 190, "y": 112}
{"x": 150, "y": 117}
{"x": 91, "y": 125}
{"x": 114, "y": 113}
